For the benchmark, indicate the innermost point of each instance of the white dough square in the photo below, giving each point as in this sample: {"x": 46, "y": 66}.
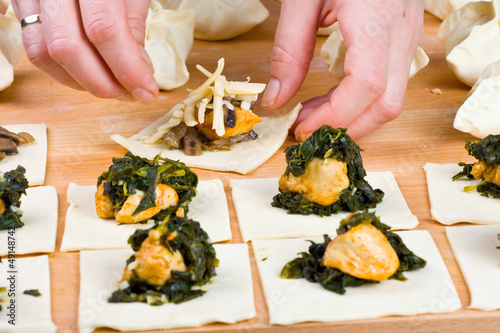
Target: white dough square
{"x": 84, "y": 230}
{"x": 32, "y": 314}
{"x": 290, "y": 301}
{"x": 33, "y": 157}
{"x": 451, "y": 204}
{"x": 475, "y": 248}
{"x": 40, "y": 212}
{"x": 259, "y": 220}
{"x": 229, "y": 297}
{"x": 241, "y": 158}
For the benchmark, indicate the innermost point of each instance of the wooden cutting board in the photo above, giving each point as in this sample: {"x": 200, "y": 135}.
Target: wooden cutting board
{"x": 80, "y": 148}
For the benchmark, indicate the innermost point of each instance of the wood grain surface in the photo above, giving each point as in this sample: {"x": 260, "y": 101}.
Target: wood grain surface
{"x": 80, "y": 148}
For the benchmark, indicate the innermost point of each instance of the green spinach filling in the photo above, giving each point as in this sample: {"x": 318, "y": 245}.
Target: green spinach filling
{"x": 310, "y": 264}
{"x": 131, "y": 173}
{"x": 13, "y": 185}
{"x": 488, "y": 151}
{"x": 324, "y": 143}
{"x": 186, "y": 236}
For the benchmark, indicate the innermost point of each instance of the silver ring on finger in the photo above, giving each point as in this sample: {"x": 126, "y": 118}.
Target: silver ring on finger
{"x": 30, "y": 19}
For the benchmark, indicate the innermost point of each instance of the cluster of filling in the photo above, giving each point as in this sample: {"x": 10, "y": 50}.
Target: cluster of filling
{"x": 13, "y": 185}
{"x": 213, "y": 117}
{"x": 10, "y": 140}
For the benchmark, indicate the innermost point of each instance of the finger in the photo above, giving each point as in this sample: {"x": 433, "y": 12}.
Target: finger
{"x": 36, "y": 47}
{"x": 137, "y": 14}
{"x": 366, "y": 77}
{"x": 106, "y": 25}
{"x": 68, "y": 46}
{"x": 292, "y": 51}
{"x": 310, "y": 106}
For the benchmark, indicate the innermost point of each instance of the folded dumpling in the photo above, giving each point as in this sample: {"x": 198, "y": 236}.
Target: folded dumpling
{"x": 222, "y": 19}
{"x": 471, "y": 36}
{"x": 169, "y": 37}
{"x": 442, "y": 8}
{"x": 11, "y": 47}
{"x": 333, "y": 53}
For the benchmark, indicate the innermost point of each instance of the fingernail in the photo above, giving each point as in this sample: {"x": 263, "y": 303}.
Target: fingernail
{"x": 272, "y": 92}
{"x": 143, "y": 95}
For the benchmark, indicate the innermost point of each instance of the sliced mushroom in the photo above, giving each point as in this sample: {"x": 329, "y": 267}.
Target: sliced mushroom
{"x": 8, "y": 146}
{"x": 8, "y": 134}
{"x": 192, "y": 142}
{"x": 172, "y": 139}
{"x": 26, "y": 137}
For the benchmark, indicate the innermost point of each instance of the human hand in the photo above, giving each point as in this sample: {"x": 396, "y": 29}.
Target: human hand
{"x": 381, "y": 37}
{"x": 92, "y": 45}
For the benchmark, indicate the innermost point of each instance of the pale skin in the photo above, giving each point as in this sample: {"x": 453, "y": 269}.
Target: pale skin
{"x": 81, "y": 43}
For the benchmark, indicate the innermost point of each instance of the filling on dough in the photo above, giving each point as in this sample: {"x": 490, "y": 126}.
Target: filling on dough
{"x": 13, "y": 185}
{"x": 325, "y": 175}
{"x": 213, "y": 117}
{"x": 135, "y": 189}
{"x": 10, "y": 140}
{"x": 487, "y": 152}
{"x": 364, "y": 251}
{"x": 170, "y": 263}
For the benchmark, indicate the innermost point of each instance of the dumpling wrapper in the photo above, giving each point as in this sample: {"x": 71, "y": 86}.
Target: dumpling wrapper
{"x": 242, "y": 158}
{"x": 259, "y": 220}
{"x": 471, "y": 36}
{"x": 221, "y": 19}
{"x": 84, "y": 230}
{"x": 33, "y": 157}
{"x": 33, "y": 314}
{"x": 169, "y": 38}
{"x": 333, "y": 52}
{"x": 11, "y": 47}
{"x": 442, "y": 8}
{"x": 451, "y": 204}
{"x": 475, "y": 248}
{"x": 40, "y": 212}
{"x": 290, "y": 301}
{"x": 229, "y": 297}
{"x": 480, "y": 115}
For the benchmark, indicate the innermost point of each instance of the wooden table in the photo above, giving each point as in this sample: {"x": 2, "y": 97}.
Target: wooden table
{"x": 80, "y": 148}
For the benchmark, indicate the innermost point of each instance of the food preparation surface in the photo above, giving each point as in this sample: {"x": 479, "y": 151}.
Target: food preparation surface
{"x": 79, "y": 148}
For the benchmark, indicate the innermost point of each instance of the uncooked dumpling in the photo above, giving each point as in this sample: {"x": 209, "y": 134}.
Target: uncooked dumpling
{"x": 169, "y": 37}
{"x": 480, "y": 115}
{"x": 442, "y": 8}
{"x": 333, "y": 53}
{"x": 471, "y": 36}
{"x": 11, "y": 47}
{"x": 222, "y": 19}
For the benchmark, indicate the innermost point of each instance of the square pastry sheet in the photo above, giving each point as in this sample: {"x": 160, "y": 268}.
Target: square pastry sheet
{"x": 38, "y": 234}
{"x": 475, "y": 248}
{"x": 84, "y": 230}
{"x": 290, "y": 301}
{"x": 229, "y": 297}
{"x": 32, "y": 157}
{"x": 259, "y": 220}
{"x": 451, "y": 204}
{"x": 242, "y": 158}
{"x": 32, "y": 314}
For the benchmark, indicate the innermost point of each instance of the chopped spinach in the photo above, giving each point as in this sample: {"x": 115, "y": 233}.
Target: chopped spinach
{"x": 131, "y": 173}
{"x": 177, "y": 233}
{"x": 327, "y": 142}
{"x": 488, "y": 151}
{"x": 32, "y": 292}
{"x": 13, "y": 185}
{"x": 310, "y": 264}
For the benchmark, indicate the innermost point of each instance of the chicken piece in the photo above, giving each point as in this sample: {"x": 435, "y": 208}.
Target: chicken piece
{"x": 363, "y": 252}
{"x": 2, "y": 206}
{"x": 481, "y": 170}
{"x": 321, "y": 183}
{"x": 103, "y": 204}
{"x": 245, "y": 120}
{"x": 154, "y": 263}
{"x": 165, "y": 197}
